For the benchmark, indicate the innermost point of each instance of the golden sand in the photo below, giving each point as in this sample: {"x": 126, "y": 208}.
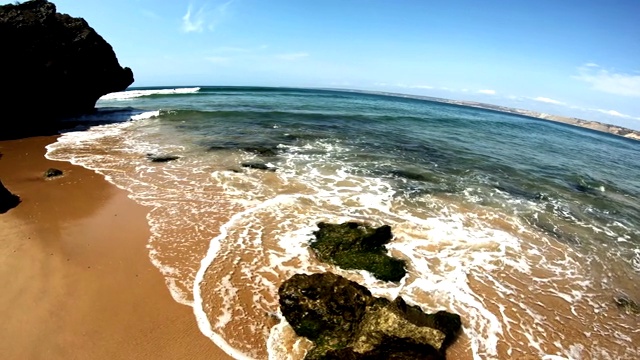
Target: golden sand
{"x": 76, "y": 278}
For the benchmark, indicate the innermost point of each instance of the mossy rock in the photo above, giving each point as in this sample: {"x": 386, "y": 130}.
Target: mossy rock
{"x": 346, "y": 322}
{"x": 382, "y": 266}
{"x": 353, "y": 245}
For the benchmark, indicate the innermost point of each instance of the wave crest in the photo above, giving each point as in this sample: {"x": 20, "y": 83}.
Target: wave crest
{"x": 132, "y": 94}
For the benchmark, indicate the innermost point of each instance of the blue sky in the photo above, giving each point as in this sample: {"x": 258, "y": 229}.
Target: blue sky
{"x": 572, "y": 58}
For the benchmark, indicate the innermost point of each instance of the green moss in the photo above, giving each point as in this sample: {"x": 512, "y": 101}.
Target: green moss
{"x": 382, "y": 266}
{"x": 356, "y": 246}
{"x": 309, "y": 328}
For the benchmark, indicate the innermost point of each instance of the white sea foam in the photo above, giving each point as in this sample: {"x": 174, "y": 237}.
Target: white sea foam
{"x": 131, "y": 94}
{"x": 146, "y": 115}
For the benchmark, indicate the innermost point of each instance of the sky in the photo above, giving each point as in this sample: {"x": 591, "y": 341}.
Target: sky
{"x": 570, "y": 58}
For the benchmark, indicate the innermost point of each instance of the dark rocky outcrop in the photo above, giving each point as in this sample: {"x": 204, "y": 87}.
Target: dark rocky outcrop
{"x": 52, "y": 172}
{"x": 162, "y": 158}
{"x": 626, "y": 304}
{"x": 53, "y": 65}
{"x": 345, "y": 321}
{"x": 357, "y": 246}
{"x": 7, "y": 200}
{"x": 262, "y": 151}
{"x": 258, "y": 166}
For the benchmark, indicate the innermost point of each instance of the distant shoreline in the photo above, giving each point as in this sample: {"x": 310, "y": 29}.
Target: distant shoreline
{"x": 586, "y": 124}
{"x": 581, "y": 123}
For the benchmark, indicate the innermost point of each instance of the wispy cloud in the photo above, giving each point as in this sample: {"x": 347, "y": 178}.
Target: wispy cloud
{"x": 293, "y": 56}
{"x": 608, "y": 81}
{"x": 548, "y": 101}
{"x": 615, "y": 113}
{"x": 204, "y": 17}
{"x": 487, "y": 92}
{"x": 193, "y": 25}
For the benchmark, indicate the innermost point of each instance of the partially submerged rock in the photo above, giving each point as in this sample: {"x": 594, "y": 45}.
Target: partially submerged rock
{"x": 7, "y": 200}
{"x": 262, "y": 151}
{"x": 345, "y": 321}
{"x": 258, "y": 166}
{"x": 52, "y": 172}
{"x": 162, "y": 158}
{"x": 352, "y": 245}
{"x": 627, "y": 305}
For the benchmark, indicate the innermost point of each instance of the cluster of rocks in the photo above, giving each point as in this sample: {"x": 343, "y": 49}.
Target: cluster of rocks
{"x": 344, "y": 320}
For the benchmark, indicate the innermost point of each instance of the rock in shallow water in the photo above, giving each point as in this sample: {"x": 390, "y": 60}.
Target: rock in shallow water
{"x": 624, "y": 303}
{"x": 258, "y": 166}
{"x": 353, "y": 245}
{"x": 345, "y": 321}
{"x": 162, "y": 158}
{"x": 52, "y": 172}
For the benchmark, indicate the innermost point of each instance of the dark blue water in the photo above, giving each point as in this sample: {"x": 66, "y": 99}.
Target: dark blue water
{"x": 542, "y": 218}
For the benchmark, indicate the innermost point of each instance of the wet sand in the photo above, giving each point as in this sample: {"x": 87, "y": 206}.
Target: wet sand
{"x": 76, "y": 278}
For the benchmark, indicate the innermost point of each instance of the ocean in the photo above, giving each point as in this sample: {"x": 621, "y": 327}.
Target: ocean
{"x": 529, "y": 229}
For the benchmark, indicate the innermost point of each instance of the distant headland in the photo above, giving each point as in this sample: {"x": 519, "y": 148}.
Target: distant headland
{"x": 588, "y": 124}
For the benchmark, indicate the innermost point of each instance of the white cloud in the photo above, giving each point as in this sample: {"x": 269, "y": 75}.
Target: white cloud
{"x": 487, "y": 92}
{"x": 421, "y": 87}
{"x": 591, "y": 65}
{"x": 193, "y": 25}
{"x": 615, "y": 113}
{"x": 610, "y": 82}
{"x": 293, "y": 56}
{"x": 548, "y": 101}
{"x": 204, "y": 17}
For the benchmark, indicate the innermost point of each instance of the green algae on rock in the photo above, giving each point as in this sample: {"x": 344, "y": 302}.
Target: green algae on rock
{"x": 345, "y": 321}
{"x": 352, "y": 245}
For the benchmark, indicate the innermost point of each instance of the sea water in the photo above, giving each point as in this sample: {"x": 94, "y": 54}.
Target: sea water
{"x": 528, "y": 229}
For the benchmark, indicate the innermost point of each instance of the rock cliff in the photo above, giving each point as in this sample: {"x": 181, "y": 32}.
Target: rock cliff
{"x": 52, "y": 65}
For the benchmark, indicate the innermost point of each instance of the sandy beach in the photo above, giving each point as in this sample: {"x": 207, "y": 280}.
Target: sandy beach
{"x": 76, "y": 278}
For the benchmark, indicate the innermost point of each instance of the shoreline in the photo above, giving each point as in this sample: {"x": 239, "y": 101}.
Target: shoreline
{"x": 78, "y": 281}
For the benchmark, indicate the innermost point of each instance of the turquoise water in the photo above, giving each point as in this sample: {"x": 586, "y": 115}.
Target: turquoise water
{"x": 527, "y": 228}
